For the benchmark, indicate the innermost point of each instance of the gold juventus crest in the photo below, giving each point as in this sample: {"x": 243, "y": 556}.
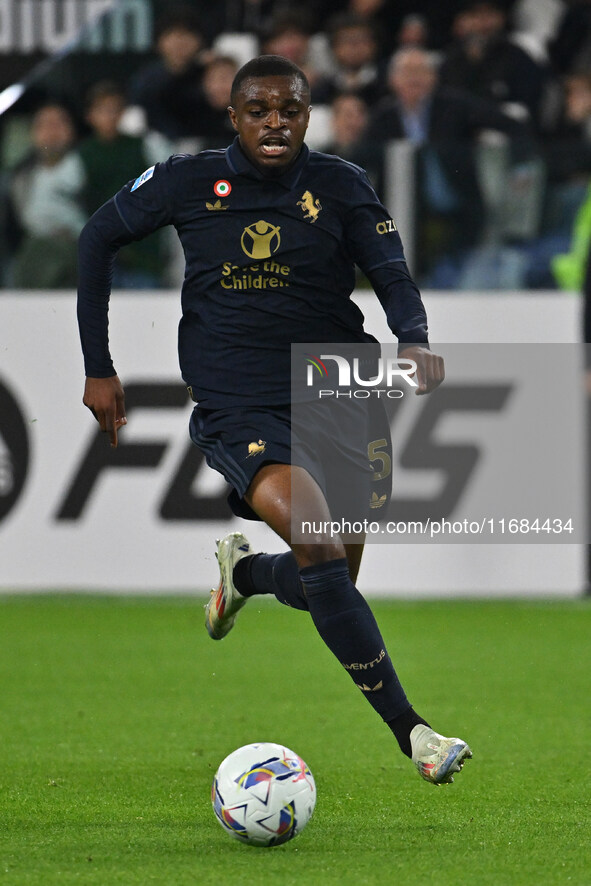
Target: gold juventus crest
{"x": 310, "y": 205}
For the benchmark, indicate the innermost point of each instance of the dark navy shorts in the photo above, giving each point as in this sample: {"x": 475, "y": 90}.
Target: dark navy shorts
{"x": 345, "y": 446}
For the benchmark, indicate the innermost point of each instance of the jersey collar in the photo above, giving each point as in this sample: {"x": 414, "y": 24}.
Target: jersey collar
{"x": 239, "y": 164}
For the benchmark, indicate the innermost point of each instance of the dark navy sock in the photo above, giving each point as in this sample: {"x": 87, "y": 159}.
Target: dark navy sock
{"x": 271, "y": 574}
{"x": 348, "y": 627}
{"x": 403, "y": 725}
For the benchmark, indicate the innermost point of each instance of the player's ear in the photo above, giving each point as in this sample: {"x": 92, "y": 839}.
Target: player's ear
{"x": 308, "y": 117}
{"x": 233, "y": 120}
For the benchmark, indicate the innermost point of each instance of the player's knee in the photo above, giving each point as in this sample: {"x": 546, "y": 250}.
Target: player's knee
{"x": 314, "y": 553}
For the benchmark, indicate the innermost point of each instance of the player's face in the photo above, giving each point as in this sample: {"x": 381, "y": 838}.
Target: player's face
{"x": 271, "y": 116}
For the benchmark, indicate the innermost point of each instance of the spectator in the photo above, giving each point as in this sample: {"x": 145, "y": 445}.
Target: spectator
{"x": 253, "y": 16}
{"x": 443, "y": 125}
{"x": 46, "y": 213}
{"x": 288, "y": 35}
{"x": 387, "y": 16}
{"x": 567, "y": 147}
{"x": 570, "y": 50}
{"x": 169, "y": 89}
{"x": 538, "y": 19}
{"x": 484, "y": 60}
{"x": 349, "y": 121}
{"x": 384, "y": 18}
{"x": 558, "y": 254}
{"x": 414, "y": 31}
{"x": 215, "y": 129}
{"x": 571, "y": 269}
{"x": 110, "y": 159}
{"x": 355, "y": 54}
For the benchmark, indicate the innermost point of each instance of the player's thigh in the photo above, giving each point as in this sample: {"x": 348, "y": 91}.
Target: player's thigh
{"x": 239, "y": 442}
{"x": 289, "y": 500}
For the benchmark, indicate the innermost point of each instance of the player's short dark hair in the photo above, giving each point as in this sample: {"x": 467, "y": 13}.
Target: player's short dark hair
{"x": 267, "y": 66}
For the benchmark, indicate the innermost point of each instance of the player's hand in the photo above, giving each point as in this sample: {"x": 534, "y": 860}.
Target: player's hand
{"x": 106, "y": 400}
{"x": 430, "y": 368}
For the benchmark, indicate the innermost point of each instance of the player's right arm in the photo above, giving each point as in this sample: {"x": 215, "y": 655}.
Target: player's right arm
{"x": 130, "y": 215}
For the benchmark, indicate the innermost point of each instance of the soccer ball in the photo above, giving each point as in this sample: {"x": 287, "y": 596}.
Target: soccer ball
{"x": 263, "y": 794}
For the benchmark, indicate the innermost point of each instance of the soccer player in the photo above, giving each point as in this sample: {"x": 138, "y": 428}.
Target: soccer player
{"x": 271, "y": 233}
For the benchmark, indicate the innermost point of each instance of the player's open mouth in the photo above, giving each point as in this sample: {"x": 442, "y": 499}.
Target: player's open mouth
{"x": 274, "y": 147}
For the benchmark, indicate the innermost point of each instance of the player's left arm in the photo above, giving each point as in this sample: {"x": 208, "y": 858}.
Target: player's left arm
{"x": 430, "y": 367}
{"x": 130, "y": 215}
{"x": 405, "y": 312}
{"x": 375, "y": 245}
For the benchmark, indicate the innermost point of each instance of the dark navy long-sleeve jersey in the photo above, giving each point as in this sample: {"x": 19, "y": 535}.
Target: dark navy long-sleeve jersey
{"x": 269, "y": 261}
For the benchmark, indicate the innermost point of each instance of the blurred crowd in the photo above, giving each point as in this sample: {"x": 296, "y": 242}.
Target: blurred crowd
{"x": 490, "y": 99}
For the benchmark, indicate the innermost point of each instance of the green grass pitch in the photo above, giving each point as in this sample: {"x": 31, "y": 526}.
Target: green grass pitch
{"x": 115, "y": 712}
